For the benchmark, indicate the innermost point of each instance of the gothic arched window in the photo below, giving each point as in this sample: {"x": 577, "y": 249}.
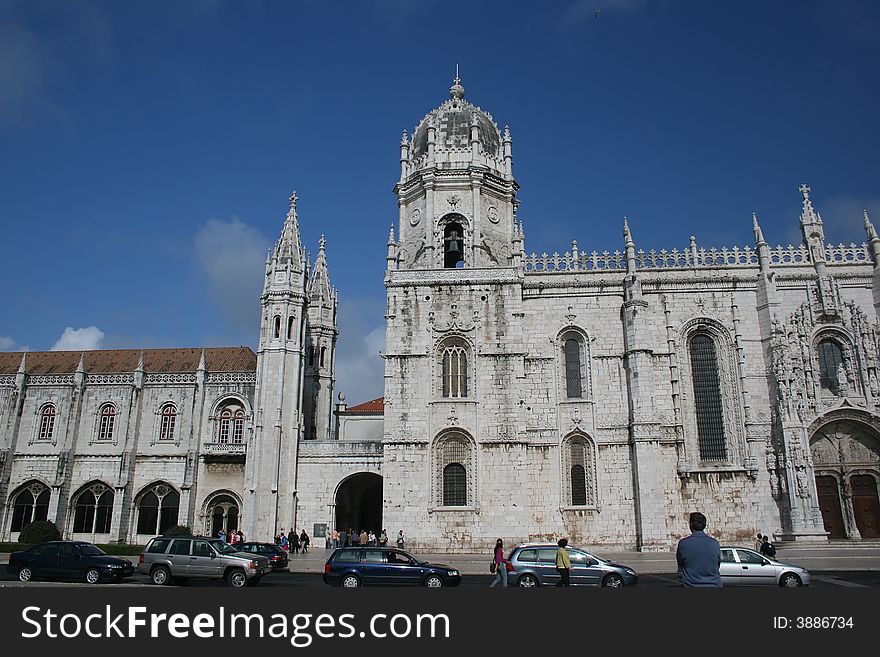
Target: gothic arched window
{"x": 31, "y": 504}
{"x": 93, "y": 510}
{"x": 707, "y": 398}
{"x": 454, "y": 368}
{"x": 323, "y": 353}
{"x": 830, "y": 360}
{"x": 579, "y": 466}
{"x": 230, "y": 423}
{"x": 574, "y": 361}
{"x": 47, "y": 422}
{"x": 167, "y": 422}
{"x": 277, "y": 326}
{"x": 454, "y": 468}
{"x": 106, "y": 422}
{"x": 290, "y": 328}
{"x": 157, "y": 509}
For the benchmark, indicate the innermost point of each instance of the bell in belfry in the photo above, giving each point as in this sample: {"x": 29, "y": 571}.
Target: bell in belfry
{"x": 453, "y": 250}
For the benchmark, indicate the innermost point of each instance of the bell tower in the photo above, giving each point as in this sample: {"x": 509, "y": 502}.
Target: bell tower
{"x": 456, "y": 193}
{"x": 270, "y": 478}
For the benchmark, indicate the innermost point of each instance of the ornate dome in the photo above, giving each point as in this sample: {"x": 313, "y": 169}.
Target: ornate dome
{"x": 453, "y": 121}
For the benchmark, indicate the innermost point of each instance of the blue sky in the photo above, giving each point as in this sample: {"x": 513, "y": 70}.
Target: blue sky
{"x": 147, "y": 149}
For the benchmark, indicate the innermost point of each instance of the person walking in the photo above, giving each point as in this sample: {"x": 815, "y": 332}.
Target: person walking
{"x": 343, "y": 539}
{"x": 767, "y": 548}
{"x": 304, "y": 541}
{"x": 699, "y": 556}
{"x": 383, "y": 538}
{"x": 283, "y": 540}
{"x": 292, "y": 542}
{"x": 500, "y": 565}
{"x": 401, "y": 540}
{"x": 759, "y": 542}
{"x": 563, "y": 563}
{"x": 371, "y": 538}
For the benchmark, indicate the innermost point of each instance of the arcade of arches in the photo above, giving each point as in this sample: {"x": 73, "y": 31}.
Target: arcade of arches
{"x": 846, "y": 459}
{"x": 359, "y": 503}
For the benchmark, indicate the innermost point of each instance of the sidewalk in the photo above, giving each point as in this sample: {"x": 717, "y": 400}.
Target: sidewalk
{"x": 826, "y": 557}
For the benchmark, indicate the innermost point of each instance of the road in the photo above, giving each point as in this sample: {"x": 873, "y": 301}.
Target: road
{"x": 830, "y": 579}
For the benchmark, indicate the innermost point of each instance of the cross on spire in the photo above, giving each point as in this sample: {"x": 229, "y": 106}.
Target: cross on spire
{"x": 805, "y": 190}
{"x": 293, "y": 199}
{"x": 321, "y": 243}
{"x": 457, "y": 79}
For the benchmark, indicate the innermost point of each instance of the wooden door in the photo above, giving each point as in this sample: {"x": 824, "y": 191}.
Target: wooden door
{"x": 866, "y": 506}
{"x": 829, "y": 503}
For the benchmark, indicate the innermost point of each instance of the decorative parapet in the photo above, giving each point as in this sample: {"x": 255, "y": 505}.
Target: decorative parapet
{"x": 337, "y": 448}
{"x": 7, "y": 381}
{"x": 232, "y": 377}
{"x": 226, "y": 449}
{"x": 50, "y": 380}
{"x": 114, "y": 379}
{"x": 690, "y": 258}
{"x": 163, "y": 379}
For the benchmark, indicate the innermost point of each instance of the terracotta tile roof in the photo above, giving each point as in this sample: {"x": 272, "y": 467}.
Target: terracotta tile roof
{"x": 105, "y": 361}
{"x": 374, "y": 406}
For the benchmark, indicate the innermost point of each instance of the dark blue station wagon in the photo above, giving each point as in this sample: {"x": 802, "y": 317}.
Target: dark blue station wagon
{"x": 377, "y": 566}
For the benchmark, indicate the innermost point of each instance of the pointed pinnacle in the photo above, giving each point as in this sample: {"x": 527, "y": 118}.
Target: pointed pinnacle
{"x": 391, "y": 235}
{"x": 22, "y": 368}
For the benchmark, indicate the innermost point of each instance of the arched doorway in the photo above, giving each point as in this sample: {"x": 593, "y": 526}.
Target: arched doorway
{"x": 359, "y": 503}
{"x": 846, "y": 459}
{"x": 866, "y": 506}
{"x": 829, "y": 503}
{"x": 222, "y": 513}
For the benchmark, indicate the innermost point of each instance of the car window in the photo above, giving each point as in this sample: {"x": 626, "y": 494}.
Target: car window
{"x": 201, "y": 549}
{"x": 222, "y": 547}
{"x": 399, "y": 558}
{"x": 547, "y": 555}
{"x": 67, "y": 550}
{"x": 727, "y": 556}
{"x": 246, "y": 548}
{"x": 91, "y": 551}
{"x": 373, "y": 556}
{"x": 747, "y": 556}
{"x": 581, "y": 558}
{"x": 159, "y": 545}
{"x": 347, "y": 556}
{"x": 528, "y": 555}
{"x": 50, "y": 551}
{"x": 179, "y": 547}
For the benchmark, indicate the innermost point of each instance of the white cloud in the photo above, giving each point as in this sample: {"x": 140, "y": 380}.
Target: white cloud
{"x": 360, "y": 371}
{"x": 6, "y": 344}
{"x": 232, "y": 255}
{"x": 84, "y": 339}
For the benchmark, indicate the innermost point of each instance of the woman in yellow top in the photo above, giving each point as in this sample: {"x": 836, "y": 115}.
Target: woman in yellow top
{"x": 563, "y": 563}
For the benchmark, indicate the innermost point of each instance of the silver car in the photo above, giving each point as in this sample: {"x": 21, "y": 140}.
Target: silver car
{"x": 172, "y": 558}
{"x": 744, "y": 567}
{"x": 534, "y": 564}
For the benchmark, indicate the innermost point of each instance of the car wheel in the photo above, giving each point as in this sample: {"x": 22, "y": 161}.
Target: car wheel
{"x": 433, "y": 582}
{"x": 160, "y": 575}
{"x": 613, "y": 581}
{"x": 790, "y": 580}
{"x": 236, "y": 578}
{"x": 350, "y": 582}
{"x": 93, "y": 576}
{"x": 25, "y": 574}
{"x": 528, "y": 581}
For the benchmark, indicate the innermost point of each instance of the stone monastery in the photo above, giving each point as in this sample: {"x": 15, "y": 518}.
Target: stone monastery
{"x": 597, "y": 396}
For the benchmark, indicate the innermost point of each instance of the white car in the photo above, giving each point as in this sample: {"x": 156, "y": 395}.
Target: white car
{"x": 744, "y": 567}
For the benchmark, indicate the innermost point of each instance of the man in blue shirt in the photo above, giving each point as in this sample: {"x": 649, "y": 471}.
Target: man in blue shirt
{"x": 699, "y": 556}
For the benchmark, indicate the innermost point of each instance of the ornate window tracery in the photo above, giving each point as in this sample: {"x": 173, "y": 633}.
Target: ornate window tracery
{"x": 47, "y": 422}
{"x": 157, "y": 508}
{"x": 454, "y": 468}
{"x": 454, "y": 354}
{"x": 93, "y": 510}
{"x": 30, "y": 504}
{"x": 106, "y": 422}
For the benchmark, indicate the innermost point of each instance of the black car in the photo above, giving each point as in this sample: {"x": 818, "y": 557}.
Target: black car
{"x": 370, "y": 566}
{"x": 276, "y": 554}
{"x": 76, "y": 560}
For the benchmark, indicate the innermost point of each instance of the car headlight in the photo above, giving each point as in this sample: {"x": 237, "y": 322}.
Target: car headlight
{"x": 452, "y": 573}
{"x": 629, "y": 571}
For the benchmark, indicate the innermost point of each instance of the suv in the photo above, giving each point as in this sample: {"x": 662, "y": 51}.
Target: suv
{"x": 178, "y": 558}
{"x": 534, "y": 564}
{"x": 365, "y": 566}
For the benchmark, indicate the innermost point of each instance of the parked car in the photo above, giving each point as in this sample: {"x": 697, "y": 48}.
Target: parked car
{"x": 352, "y": 567}
{"x": 76, "y": 560}
{"x": 276, "y": 555}
{"x": 745, "y": 567}
{"x": 534, "y": 564}
{"x": 178, "y": 558}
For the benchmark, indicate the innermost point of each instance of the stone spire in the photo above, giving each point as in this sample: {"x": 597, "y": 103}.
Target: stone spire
{"x": 21, "y": 375}
{"x": 761, "y": 245}
{"x": 456, "y": 91}
{"x": 630, "y": 247}
{"x": 319, "y": 284}
{"x": 873, "y": 240}
{"x": 391, "y": 258}
{"x": 289, "y": 247}
{"x": 79, "y": 377}
{"x": 811, "y": 227}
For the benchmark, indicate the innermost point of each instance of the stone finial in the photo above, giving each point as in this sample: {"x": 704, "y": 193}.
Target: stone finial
{"x": 321, "y": 244}
{"x": 456, "y": 91}
{"x": 81, "y": 367}
{"x": 140, "y": 364}
{"x": 391, "y": 235}
{"x": 203, "y": 365}
{"x": 404, "y": 140}
{"x": 627, "y": 235}
{"x": 759, "y": 235}
{"x": 293, "y": 199}
{"x": 507, "y": 136}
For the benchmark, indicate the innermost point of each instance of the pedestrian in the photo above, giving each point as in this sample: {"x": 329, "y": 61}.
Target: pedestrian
{"x": 233, "y": 538}
{"x": 363, "y": 538}
{"x": 240, "y": 536}
{"x": 500, "y": 565}
{"x": 563, "y": 563}
{"x": 283, "y": 540}
{"x": 767, "y": 548}
{"x": 222, "y": 535}
{"x": 304, "y": 541}
{"x": 759, "y": 542}
{"x": 401, "y": 540}
{"x": 334, "y": 539}
{"x": 699, "y": 556}
{"x": 371, "y": 538}
{"x": 343, "y": 538}
{"x": 383, "y": 538}
{"x": 292, "y": 541}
